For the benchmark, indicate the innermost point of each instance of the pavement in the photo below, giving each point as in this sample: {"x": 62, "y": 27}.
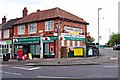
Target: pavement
{"x": 94, "y": 60}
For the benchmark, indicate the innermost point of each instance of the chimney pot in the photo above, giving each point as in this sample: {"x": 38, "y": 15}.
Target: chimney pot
{"x": 25, "y": 11}
{"x": 38, "y": 10}
{"x": 4, "y": 20}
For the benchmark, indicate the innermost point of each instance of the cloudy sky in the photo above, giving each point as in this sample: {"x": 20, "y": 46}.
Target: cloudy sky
{"x": 86, "y": 9}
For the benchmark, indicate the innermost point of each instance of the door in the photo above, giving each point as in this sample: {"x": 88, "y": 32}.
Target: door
{"x": 46, "y": 49}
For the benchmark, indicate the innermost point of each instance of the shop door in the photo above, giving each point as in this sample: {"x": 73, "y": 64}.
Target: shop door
{"x": 26, "y": 49}
{"x": 46, "y": 52}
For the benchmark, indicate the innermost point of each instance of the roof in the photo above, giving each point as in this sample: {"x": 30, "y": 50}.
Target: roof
{"x": 9, "y": 23}
{"x": 49, "y": 14}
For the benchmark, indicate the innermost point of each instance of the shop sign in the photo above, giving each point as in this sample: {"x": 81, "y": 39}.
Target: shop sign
{"x": 74, "y": 39}
{"x": 71, "y": 29}
{"x": 72, "y": 35}
{"x": 78, "y": 38}
{"x": 27, "y": 40}
{"x": 53, "y": 37}
{"x": 9, "y": 42}
{"x": 6, "y": 42}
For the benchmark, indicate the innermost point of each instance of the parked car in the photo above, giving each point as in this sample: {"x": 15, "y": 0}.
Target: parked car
{"x": 116, "y": 47}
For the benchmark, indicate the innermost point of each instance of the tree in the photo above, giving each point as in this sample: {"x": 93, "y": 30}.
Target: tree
{"x": 91, "y": 40}
{"x": 114, "y": 39}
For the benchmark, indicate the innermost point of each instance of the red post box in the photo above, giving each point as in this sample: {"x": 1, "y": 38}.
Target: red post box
{"x": 19, "y": 52}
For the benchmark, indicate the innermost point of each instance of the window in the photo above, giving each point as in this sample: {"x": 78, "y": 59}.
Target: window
{"x": 78, "y": 43}
{"x": 62, "y": 43}
{"x": 68, "y": 43}
{"x": 49, "y": 25}
{"x": 6, "y": 33}
{"x": 0, "y": 34}
{"x": 21, "y": 29}
{"x": 73, "y": 43}
{"x": 35, "y": 49}
{"x": 32, "y": 28}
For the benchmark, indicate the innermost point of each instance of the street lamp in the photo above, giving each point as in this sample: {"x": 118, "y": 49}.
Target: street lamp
{"x": 58, "y": 29}
{"x": 41, "y": 45}
{"x": 98, "y": 27}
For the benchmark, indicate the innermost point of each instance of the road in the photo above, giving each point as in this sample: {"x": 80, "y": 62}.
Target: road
{"x": 105, "y": 70}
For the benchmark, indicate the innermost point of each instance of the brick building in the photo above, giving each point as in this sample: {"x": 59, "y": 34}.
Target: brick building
{"x": 6, "y": 31}
{"x": 37, "y": 33}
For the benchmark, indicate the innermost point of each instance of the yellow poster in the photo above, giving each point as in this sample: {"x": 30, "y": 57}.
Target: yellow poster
{"x": 78, "y": 52}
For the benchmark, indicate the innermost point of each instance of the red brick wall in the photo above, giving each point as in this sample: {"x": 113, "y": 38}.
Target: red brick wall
{"x": 41, "y": 26}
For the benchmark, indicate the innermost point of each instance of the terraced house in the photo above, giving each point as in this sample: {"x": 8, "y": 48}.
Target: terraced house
{"x": 6, "y": 35}
{"x": 37, "y": 33}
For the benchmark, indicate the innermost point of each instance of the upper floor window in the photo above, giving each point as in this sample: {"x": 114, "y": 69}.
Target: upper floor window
{"x": 49, "y": 25}
{"x": 21, "y": 29}
{"x": 6, "y": 33}
{"x": 32, "y": 28}
{"x": 0, "y": 34}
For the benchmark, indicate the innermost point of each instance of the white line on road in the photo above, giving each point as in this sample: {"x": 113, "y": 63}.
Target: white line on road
{"x": 54, "y": 77}
{"x": 113, "y": 58}
{"x": 29, "y": 69}
{"x": 9, "y": 73}
{"x": 115, "y": 66}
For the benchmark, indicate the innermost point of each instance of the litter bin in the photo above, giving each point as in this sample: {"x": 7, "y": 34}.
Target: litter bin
{"x": 95, "y": 51}
{"x": 71, "y": 54}
{"x": 89, "y": 51}
{"x": 5, "y": 57}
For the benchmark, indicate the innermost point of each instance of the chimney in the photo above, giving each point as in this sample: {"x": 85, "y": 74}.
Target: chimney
{"x": 25, "y": 12}
{"x": 4, "y": 20}
{"x": 38, "y": 10}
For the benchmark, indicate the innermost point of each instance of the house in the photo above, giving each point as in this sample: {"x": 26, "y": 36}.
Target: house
{"x": 1, "y": 35}
{"x": 0, "y": 39}
{"x": 7, "y": 35}
{"x": 37, "y": 33}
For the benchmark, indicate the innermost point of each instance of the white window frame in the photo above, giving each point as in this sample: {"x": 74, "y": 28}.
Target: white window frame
{"x": 62, "y": 42}
{"x": 49, "y": 25}
{"x": 32, "y": 27}
{"x": 78, "y": 43}
{"x": 0, "y": 34}
{"x": 68, "y": 43}
{"x": 6, "y": 33}
{"x": 73, "y": 43}
{"x": 21, "y": 29}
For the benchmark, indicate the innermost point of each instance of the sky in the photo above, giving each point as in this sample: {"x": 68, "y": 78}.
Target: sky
{"x": 86, "y": 9}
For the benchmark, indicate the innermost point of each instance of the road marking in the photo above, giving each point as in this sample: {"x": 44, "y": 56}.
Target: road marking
{"x": 54, "y": 77}
{"x": 111, "y": 66}
{"x": 29, "y": 69}
{"x": 9, "y": 73}
{"x": 3, "y": 65}
{"x": 113, "y": 58}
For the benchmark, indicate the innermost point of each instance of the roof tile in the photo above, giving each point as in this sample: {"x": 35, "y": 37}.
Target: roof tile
{"x": 46, "y": 14}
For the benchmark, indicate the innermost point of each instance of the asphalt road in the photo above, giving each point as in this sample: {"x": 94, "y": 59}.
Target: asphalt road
{"x": 106, "y": 70}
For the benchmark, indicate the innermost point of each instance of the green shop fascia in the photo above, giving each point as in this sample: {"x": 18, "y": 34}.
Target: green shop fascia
{"x": 33, "y": 43}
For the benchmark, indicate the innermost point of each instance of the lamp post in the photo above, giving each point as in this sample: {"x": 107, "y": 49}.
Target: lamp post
{"x": 58, "y": 30}
{"x": 98, "y": 27}
{"x": 41, "y": 45}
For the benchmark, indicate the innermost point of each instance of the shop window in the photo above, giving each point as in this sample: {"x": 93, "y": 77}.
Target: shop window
{"x": 49, "y": 25}
{"x": 32, "y": 28}
{"x": 35, "y": 49}
{"x": 6, "y": 33}
{"x": 21, "y": 29}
